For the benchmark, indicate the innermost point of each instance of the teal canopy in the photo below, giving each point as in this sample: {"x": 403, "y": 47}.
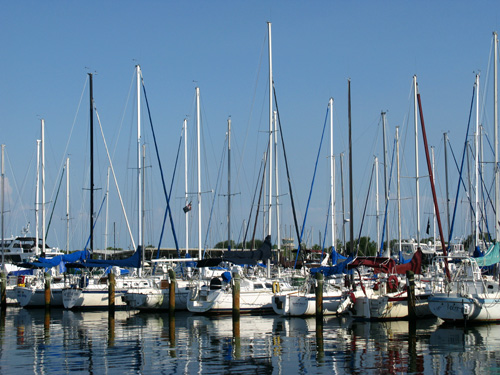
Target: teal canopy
{"x": 491, "y": 257}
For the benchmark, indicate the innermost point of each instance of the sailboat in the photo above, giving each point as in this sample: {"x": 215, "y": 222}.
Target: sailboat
{"x": 470, "y": 296}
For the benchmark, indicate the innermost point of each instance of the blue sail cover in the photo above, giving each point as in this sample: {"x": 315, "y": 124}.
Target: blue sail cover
{"x": 340, "y": 268}
{"x": 59, "y": 260}
{"x": 134, "y": 261}
{"x": 491, "y": 257}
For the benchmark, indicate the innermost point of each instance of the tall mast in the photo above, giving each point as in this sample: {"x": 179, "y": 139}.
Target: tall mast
{"x": 495, "y": 110}
{"x": 476, "y": 164}
{"x": 386, "y": 182}
{"x": 270, "y": 129}
{"x": 377, "y": 217}
{"x": 186, "y": 184}
{"x": 332, "y": 176}
{"x": 67, "y": 205}
{"x": 351, "y": 204}
{"x": 3, "y": 207}
{"x": 445, "y": 137}
{"x": 37, "y": 198}
{"x": 434, "y": 208}
{"x": 278, "y": 240}
{"x": 139, "y": 159}
{"x": 399, "y": 189}
{"x": 143, "y": 198}
{"x": 417, "y": 183}
{"x": 107, "y": 214}
{"x": 199, "y": 168}
{"x": 91, "y": 163}
{"x": 229, "y": 183}
{"x": 43, "y": 186}
{"x": 343, "y": 201}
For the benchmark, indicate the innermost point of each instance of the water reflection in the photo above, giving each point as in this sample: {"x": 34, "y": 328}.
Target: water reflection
{"x": 126, "y": 342}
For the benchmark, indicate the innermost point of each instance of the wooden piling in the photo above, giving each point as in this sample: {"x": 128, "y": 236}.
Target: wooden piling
{"x": 410, "y": 277}
{"x": 3, "y": 280}
{"x": 171, "y": 294}
{"x": 236, "y": 296}
{"x": 111, "y": 291}
{"x": 47, "y": 290}
{"x": 319, "y": 294}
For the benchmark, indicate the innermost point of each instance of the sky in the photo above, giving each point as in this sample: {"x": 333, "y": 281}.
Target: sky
{"x": 221, "y": 47}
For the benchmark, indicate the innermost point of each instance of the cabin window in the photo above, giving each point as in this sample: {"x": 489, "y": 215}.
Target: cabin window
{"x": 258, "y": 286}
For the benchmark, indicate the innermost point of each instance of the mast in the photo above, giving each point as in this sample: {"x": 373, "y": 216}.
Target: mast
{"x": 229, "y": 183}
{"x": 67, "y": 206}
{"x": 399, "y": 189}
{"x": 143, "y": 198}
{"x": 351, "y": 204}
{"x": 37, "y": 198}
{"x": 386, "y": 182}
{"x": 139, "y": 159}
{"x": 476, "y": 164}
{"x": 270, "y": 129}
{"x": 343, "y": 201}
{"x": 278, "y": 240}
{"x": 91, "y": 163}
{"x": 199, "y": 168}
{"x": 186, "y": 184}
{"x": 43, "y": 186}
{"x": 417, "y": 183}
{"x": 377, "y": 217}
{"x": 434, "y": 208}
{"x": 3, "y": 207}
{"x": 495, "y": 112}
{"x": 445, "y": 137}
{"x": 332, "y": 176}
{"x": 107, "y": 216}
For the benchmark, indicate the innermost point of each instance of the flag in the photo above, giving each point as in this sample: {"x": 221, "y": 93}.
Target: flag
{"x": 428, "y": 226}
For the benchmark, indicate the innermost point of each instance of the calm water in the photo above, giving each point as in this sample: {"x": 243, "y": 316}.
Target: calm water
{"x": 64, "y": 342}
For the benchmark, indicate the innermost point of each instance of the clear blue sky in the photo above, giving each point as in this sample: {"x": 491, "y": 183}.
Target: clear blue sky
{"x": 221, "y": 46}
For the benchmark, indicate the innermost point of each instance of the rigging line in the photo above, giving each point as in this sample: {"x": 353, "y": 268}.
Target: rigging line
{"x": 326, "y": 229}
{"x": 55, "y": 201}
{"x": 166, "y": 208}
{"x": 312, "y": 182}
{"x": 260, "y": 197}
{"x": 219, "y": 177}
{"x": 287, "y": 170}
{"x": 160, "y": 166}
{"x": 387, "y": 203}
{"x": 240, "y": 165}
{"x": 95, "y": 221}
{"x": 366, "y": 204}
{"x": 114, "y": 177}
{"x": 123, "y": 112}
{"x": 252, "y": 205}
{"x": 73, "y": 125}
{"x": 18, "y": 198}
{"x": 461, "y": 167}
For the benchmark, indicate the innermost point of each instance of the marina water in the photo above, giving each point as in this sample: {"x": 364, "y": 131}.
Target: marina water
{"x": 131, "y": 342}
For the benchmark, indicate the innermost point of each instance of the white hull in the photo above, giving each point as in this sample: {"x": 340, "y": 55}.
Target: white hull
{"x": 156, "y": 298}
{"x": 455, "y": 307}
{"x": 35, "y": 297}
{"x": 90, "y": 298}
{"x": 293, "y": 304}
{"x": 221, "y": 301}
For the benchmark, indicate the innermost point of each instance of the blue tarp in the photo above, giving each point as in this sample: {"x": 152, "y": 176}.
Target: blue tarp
{"x": 340, "y": 268}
